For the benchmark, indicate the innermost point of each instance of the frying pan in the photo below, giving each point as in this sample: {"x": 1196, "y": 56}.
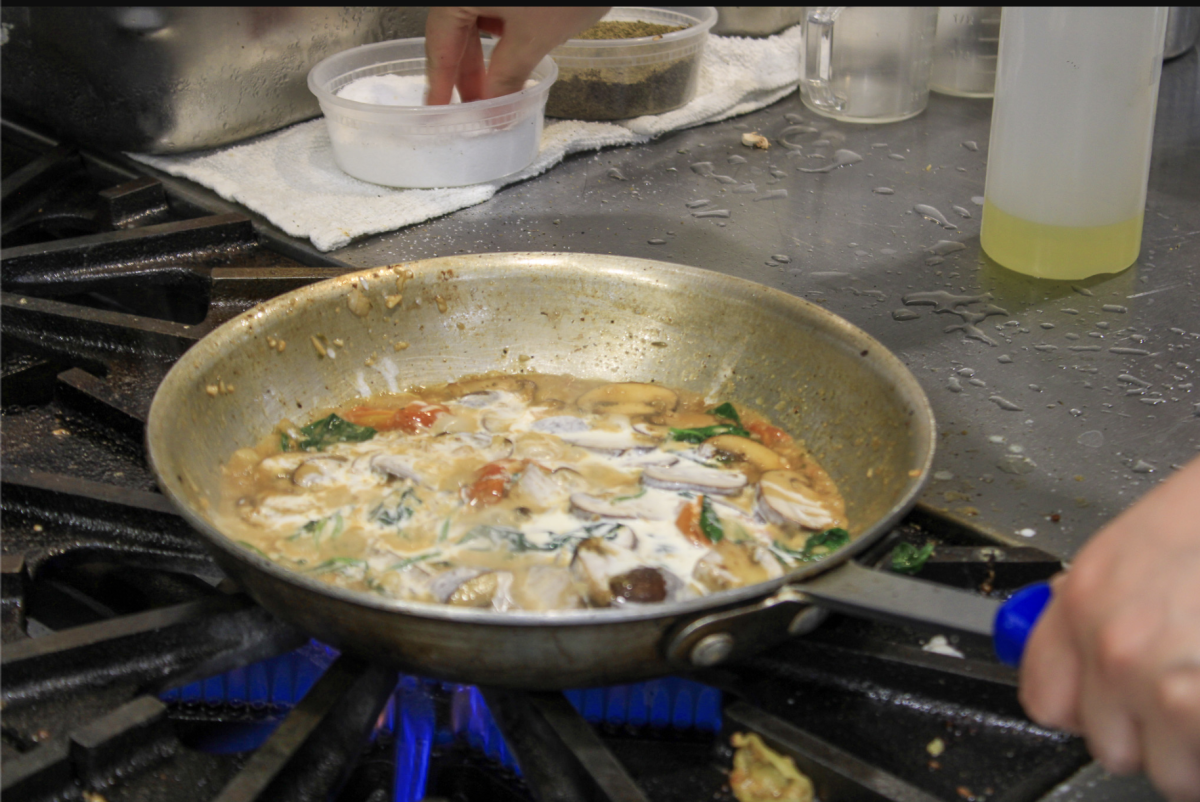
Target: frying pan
{"x": 850, "y": 401}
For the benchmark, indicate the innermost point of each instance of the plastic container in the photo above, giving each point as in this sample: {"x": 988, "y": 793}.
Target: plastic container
{"x": 427, "y": 146}
{"x": 964, "y": 52}
{"x": 1072, "y": 127}
{"x": 614, "y": 79}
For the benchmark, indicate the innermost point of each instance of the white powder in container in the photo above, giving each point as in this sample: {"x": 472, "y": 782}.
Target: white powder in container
{"x": 375, "y": 152}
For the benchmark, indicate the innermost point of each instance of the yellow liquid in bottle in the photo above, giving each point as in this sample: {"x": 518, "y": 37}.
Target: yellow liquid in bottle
{"x": 1064, "y": 253}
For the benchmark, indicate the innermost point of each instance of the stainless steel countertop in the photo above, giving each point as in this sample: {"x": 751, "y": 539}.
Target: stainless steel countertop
{"x": 1104, "y": 371}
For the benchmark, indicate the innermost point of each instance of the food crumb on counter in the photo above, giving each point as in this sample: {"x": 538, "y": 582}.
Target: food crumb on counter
{"x": 939, "y": 645}
{"x": 317, "y": 344}
{"x": 761, "y": 774}
{"x": 392, "y": 301}
{"x": 400, "y": 345}
{"x": 936, "y": 747}
{"x": 755, "y": 140}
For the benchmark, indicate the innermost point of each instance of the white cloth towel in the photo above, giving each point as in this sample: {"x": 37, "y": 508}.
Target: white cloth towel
{"x": 290, "y": 178}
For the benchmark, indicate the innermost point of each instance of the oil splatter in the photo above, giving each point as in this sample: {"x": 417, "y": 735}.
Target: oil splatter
{"x": 841, "y": 158}
{"x": 884, "y": 191}
{"x": 1005, "y": 404}
{"x": 1092, "y": 439}
{"x": 712, "y": 213}
{"x": 929, "y": 212}
{"x": 904, "y": 314}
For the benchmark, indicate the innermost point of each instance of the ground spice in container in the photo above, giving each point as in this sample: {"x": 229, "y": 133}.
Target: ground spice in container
{"x": 617, "y": 83}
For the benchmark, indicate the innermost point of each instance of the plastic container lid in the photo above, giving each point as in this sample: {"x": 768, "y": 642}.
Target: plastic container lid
{"x": 427, "y": 146}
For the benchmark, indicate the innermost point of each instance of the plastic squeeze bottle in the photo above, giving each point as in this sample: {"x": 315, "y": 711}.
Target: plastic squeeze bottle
{"x": 1072, "y": 125}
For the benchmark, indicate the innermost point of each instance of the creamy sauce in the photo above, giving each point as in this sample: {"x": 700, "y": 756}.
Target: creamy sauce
{"x": 535, "y": 493}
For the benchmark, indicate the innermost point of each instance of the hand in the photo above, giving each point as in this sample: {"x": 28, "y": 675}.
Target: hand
{"x": 1116, "y": 654}
{"x": 527, "y": 33}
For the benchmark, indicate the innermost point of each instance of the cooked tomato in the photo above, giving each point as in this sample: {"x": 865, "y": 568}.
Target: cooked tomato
{"x": 493, "y": 481}
{"x": 688, "y": 521}
{"x": 410, "y": 419}
{"x": 770, "y": 436}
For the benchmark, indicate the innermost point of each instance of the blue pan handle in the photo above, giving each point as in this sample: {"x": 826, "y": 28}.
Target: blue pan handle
{"x": 1015, "y": 620}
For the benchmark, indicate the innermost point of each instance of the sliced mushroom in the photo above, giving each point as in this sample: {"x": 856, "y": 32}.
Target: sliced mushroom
{"x": 710, "y": 572}
{"x": 317, "y": 470}
{"x": 642, "y": 457}
{"x": 492, "y": 589}
{"x": 512, "y": 384}
{"x": 395, "y": 465}
{"x": 282, "y": 466}
{"x": 687, "y": 475}
{"x": 744, "y": 449}
{"x": 549, "y": 587}
{"x": 787, "y": 497}
{"x": 538, "y": 487}
{"x": 445, "y": 583}
{"x": 641, "y": 585}
{"x": 641, "y": 507}
{"x": 595, "y": 562}
{"x": 560, "y": 424}
{"x": 479, "y": 399}
{"x": 605, "y": 440}
{"x": 628, "y": 398}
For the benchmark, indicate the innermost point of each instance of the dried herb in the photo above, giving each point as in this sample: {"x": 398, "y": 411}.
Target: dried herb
{"x": 627, "y": 29}
{"x": 616, "y": 93}
{"x": 319, "y": 435}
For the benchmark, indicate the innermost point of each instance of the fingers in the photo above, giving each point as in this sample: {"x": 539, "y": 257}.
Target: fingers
{"x": 448, "y": 32}
{"x": 512, "y": 62}
{"x": 471, "y": 76}
{"x": 1051, "y": 671}
{"x": 1172, "y": 738}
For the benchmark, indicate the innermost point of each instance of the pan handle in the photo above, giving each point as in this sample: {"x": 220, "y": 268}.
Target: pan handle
{"x": 854, "y": 590}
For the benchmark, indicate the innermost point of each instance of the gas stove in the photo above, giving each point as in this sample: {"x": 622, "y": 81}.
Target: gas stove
{"x": 133, "y": 670}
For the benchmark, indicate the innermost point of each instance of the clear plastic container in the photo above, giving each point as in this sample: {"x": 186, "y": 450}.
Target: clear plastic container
{"x": 614, "y": 79}
{"x": 1072, "y": 128}
{"x": 427, "y": 146}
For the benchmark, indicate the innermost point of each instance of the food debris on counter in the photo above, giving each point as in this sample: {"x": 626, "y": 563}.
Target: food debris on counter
{"x": 761, "y": 774}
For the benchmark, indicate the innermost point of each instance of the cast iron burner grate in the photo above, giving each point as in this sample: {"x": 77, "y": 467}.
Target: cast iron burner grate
{"x": 132, "y": 670}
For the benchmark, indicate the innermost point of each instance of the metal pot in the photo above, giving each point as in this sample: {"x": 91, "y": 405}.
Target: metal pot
{"x": 853, "y": 403}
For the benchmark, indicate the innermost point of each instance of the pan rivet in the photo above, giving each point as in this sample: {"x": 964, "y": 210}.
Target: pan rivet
{"x": 807, "y": 620}
{"x": 712, "y": 649}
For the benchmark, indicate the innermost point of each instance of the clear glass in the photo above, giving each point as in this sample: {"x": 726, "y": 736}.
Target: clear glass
{"x": 1072, "y": 126}
{"x": 964, "y": 52}
{"x": 867, "y": 64}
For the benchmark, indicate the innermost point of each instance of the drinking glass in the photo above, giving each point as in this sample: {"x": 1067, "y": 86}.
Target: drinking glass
{"x": 867, "y": 64}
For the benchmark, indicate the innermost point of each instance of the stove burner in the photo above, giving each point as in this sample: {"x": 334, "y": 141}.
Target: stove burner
{"x": 133, "y": 670}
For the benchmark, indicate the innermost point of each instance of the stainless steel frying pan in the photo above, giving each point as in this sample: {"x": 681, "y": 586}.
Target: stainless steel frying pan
{"x": 853, "y": 403}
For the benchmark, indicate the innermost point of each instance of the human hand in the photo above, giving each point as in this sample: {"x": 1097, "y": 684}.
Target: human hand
{"x": 527, "y": 33}
{"x": 1116, "y": 654}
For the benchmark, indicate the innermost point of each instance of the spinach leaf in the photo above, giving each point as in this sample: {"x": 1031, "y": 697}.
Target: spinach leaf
{"x": 828, "y": 541}
{"x": 403, "y": 511}
{"x": 727, "y": 412}
{"x": 908, "y": 559}
{"x": 322, "y": 528}
{"x": 319, "y": 435}
{"x": 253, "y": 548}
{"x": 517, "y": 543}
{"x": 400, "y": 566}
{"x": 337, "y": 564}
{"x": 702, "y": 433}
{"x": 710, "y": 524}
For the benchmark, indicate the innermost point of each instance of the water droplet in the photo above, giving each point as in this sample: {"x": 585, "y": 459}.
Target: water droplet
{"x": 1114, "y": 308}
{"x": 1092, "y": 439}
{"x": 657, "y": 241}
{"x": 781, "y": 257}
{"x": 962, "y": 212}
{"x": 712, "y": 213}
{"x": 771, "y": 194}
{"x": 1084, "y": 348}
{"x": 1047, "y": 325}
{"x": 1130, "y": 351}
{"x": 778, "y": 173}
{"x": 965, "y": 371}
{"x": 943, "y": 476}
{"x": 702, "y": 168}
{"x": 724, "y": 179}
{"x": 945, "y": 246}
{"x": 884, "y": 191}
{"x": 1125, "y": 377}
{"x": 1045, "y": 347}
{"x": 792, "y": 117}
{"x": 1141, "y": 466}
{"x": 1028, "y": 533}
{"x": 1016, "y": 449}
{"x": 896, "y": 157}
{"x": 696, "y": 204}
{"x": 1016, "y": 464}
{"x": 1069, "y": 311}
{"x": 1152, "y": 401}
{"x": 788, "y": 135}
{"x": 1082, "y": 290}
{"x": 977, "y": 200}
{"x": 879, "y": 145}
{"x": 933, "y": 214}
{"x": 1004, "y": 403}
{"x": 617, "y": 174}
{"x": 747, "y": 189}
{"x": 971, "y": 145}
{"x": 888, "y": 251}
{"x": 862, "y": 253}
{"x": 736, "y": 159}
{"x": 904, "y": 314}
{"x": 954, "y": 385}
{"x": 841, "y": 158}
{"x": 1004, "y": 359}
